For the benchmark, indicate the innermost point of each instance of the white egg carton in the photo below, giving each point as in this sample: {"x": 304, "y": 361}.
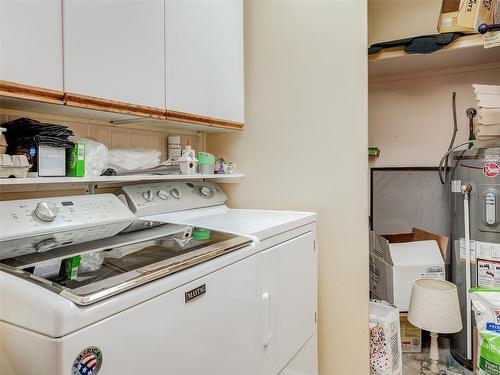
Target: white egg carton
{"x": 14, "y": 165}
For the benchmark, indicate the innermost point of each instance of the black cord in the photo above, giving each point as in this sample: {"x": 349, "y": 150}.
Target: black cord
{"x": 452, "y": 142}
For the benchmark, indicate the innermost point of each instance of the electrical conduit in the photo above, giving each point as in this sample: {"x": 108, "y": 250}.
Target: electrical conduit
{"x": 466, "y": 189}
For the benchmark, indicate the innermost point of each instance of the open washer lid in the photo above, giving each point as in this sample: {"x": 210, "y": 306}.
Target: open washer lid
{"x": 129, "y": 260}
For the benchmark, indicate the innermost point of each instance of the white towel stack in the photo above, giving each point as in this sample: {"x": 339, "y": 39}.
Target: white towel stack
{"x": 488, "y": 98}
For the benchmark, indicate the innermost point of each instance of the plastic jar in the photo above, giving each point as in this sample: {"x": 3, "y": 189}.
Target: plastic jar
{"x": 206, "y": 163}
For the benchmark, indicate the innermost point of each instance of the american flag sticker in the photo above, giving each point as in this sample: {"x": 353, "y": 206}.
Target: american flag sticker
{"x": 88, "y": 362}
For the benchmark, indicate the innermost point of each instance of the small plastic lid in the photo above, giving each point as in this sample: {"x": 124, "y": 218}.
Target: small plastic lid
{"x": 205, "y": 158}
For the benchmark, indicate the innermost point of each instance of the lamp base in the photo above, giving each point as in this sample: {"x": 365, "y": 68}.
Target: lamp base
{"x": 432, "y": 368}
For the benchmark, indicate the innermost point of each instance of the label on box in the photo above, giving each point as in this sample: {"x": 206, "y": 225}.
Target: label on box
{"x": 492, "y": 39}
{"x": 434, "y": 272}
{"x": 411, "y": 336}
{"x": 488, "y": 273}
{"x": 482, "y": 250}
{"x": 494, "y": 327}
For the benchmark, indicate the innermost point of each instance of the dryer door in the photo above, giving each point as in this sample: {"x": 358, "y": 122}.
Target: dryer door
{"x": 289, "y": 300}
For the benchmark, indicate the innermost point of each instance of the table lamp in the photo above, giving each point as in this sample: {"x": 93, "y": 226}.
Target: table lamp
{"x": 434, "y": 307}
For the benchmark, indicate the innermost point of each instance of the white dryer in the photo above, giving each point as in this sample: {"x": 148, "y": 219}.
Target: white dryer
{"x": 287, "y": 242}
{"x": 163, "y": 300}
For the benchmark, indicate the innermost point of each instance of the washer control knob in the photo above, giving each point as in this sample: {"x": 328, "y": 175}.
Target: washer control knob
{"x": 176, "y": 193}
{"x": 162, "y": 194}
{"x": 46, "y": 211}
{"x": 206, "y": 192}
{"x": 148, "y": 195}
{"x": 46, "y": 245}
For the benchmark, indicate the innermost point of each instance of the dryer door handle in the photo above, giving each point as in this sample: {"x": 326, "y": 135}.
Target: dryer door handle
{"x": 266, "y": 319}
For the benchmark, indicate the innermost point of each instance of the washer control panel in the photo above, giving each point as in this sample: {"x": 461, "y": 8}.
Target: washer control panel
{"x": 36, "y": 225}
{"x": 165, "y": 197}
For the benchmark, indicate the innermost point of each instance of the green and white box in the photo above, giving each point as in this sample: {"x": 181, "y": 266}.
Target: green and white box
{"x": 76, "y": 161}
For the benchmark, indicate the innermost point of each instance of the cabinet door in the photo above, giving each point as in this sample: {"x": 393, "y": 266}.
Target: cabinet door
{"x": 31, "y": 43}
{"x": 115, "y": 50}
{"x": 289, "y": 300}
{"x": 226, "y": 83}
{"x": 188, "y": 56}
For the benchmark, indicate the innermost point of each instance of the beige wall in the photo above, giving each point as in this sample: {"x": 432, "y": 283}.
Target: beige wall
{"x": 411, "y": 121}
{"x": 304, "y": 148}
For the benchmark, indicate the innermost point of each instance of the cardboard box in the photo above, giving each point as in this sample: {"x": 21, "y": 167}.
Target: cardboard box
{"x": 392, "y": 20}
{"x": 448, "y": 18}
{"x": 448, "y": 24}
{"x": 411, "y": 336}
{"x": 472, "y": 13}
{"x": 396, "y": 261}
{"x": 76, "y": 160}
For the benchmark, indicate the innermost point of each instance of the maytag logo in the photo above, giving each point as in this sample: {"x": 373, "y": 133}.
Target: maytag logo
{"x": 195, "y": 293}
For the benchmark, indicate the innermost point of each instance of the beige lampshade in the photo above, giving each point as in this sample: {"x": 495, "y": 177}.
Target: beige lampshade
{"x": 434, "y": 306}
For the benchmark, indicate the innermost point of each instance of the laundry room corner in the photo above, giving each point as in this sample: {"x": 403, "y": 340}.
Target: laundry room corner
{"x": 304, "y": 147}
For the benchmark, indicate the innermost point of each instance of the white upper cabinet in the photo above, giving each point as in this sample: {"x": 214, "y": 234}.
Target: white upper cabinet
{"x": 115, "y": 50}
{"x": 204, "y": 49}
{"x": 188, "y": 56}
{"x": 226, "y": 61}
{"x": 31, "y": 43}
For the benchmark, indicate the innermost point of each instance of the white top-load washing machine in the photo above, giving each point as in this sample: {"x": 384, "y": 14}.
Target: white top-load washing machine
{"x": 175, "y": 283}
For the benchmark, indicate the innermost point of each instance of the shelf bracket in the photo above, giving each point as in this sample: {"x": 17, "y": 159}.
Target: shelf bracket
{"x": 91, "y": 188}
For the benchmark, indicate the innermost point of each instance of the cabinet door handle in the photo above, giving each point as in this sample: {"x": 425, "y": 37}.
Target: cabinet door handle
{"x": 266, "y": 319}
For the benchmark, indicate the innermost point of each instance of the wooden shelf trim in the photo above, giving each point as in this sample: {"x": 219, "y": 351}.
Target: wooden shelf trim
{"x": 19, "y": 91}
{"x": 16, "y": 90}
{"x": 89, "y": 102}
{"x": 226, "y": 124}
{"x": 187, "y": 117}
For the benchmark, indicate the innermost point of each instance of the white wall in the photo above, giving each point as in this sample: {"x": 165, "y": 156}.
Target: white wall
{"x": 411, "y": 121}
{"x": 304, "y": 148}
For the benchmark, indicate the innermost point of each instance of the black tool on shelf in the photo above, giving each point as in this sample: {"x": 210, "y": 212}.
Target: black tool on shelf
{"x": 484, "y": 27}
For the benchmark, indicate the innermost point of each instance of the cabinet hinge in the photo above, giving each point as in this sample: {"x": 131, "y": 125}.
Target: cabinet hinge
{"x": 315, "y": 318}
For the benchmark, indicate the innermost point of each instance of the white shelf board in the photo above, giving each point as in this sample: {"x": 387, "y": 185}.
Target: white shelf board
{"x": 116, "y": 179}
{"x": 465, "y": 51}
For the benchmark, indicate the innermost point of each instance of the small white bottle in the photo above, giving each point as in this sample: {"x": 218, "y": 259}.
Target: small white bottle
{"x": 188, "y": 151}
